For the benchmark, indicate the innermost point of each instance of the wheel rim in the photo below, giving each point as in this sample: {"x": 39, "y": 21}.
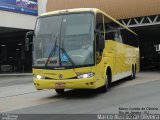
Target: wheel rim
{"x": 106, "y": 81}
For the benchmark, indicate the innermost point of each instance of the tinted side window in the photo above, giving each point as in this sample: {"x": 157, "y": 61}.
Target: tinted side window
{"x": 129, "y": 38}
{"x": 111, "y": 30}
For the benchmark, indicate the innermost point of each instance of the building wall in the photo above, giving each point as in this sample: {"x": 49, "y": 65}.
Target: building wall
{"x": 42, "y": 6}
{"x": 119, "y": 9}
{"x": 17, "y": 20}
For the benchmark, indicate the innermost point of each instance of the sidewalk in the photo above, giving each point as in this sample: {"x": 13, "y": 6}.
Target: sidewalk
{"x": 15, "y": 74}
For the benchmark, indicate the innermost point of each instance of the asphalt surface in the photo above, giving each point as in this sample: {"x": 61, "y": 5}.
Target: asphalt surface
{"x": 14, "y": 80}
{"x": 139, "y": 95}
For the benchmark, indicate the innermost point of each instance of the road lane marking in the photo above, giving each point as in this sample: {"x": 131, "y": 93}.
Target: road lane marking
{"x": 27, "y": 100}
{"x": 22, "y": 96}
{"x": 16, "y": 90}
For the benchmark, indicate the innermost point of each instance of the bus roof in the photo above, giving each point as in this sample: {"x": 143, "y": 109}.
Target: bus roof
{"x": 95, "y": 10}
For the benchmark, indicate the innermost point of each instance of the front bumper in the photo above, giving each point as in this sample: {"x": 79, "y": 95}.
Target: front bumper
{"x": 87, "y": 83}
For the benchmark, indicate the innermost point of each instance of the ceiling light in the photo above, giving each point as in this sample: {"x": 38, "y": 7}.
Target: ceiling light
{"x": 19, "y": 43}
{"x": 3, "y": 45}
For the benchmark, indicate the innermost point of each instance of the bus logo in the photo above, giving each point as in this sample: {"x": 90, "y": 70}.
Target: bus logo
{"x": 60, "y": 76}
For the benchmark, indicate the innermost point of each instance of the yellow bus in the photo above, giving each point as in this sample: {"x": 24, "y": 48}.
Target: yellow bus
{"x": 82, "y": 48}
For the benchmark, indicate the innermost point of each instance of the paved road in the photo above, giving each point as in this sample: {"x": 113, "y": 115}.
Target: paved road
{"x": 143, "y": 92}
{"x": 10, "y": 80}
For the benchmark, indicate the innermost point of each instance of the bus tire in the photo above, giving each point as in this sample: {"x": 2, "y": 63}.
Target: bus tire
{"x": 132, "y": 76}
{"x": 104, "y": 88}
{"x": 59, "y": 91}
{"x": 135, "y": 71}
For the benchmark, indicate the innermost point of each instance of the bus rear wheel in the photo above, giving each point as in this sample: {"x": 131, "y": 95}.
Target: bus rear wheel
{"x": 133, "y": 74}
{"x": 59, "y": 91}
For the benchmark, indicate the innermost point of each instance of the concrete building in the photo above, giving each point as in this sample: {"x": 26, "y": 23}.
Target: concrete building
{"x": 17, "y": 17}
{"x": 142, "y": 16}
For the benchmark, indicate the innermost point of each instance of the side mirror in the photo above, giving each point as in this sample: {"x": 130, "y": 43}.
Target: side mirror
{"x": 30, "y": 33}
{"x": 27, "y": 38}
{"x": 100, "y": 41}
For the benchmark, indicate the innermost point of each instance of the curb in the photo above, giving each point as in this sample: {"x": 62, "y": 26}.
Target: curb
{"x": 18, "y": 74}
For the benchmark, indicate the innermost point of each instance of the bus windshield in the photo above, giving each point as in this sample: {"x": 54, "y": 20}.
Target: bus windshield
{"x": 64, "y": 40}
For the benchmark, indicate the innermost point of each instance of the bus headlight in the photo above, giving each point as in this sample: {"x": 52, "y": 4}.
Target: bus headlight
{"x": 39, "y": 77}
{"x": 86, "y": 75}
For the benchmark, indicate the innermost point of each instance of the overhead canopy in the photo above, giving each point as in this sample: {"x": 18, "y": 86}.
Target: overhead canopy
{"x": 119, "y": 9}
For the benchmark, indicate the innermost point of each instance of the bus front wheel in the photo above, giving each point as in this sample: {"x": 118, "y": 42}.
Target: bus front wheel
{"x": 59, "y": 91}
{"x": 104, "y": 88}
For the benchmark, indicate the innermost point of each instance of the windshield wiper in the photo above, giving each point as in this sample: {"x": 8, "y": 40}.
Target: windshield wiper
{"x": 51, "y": 53}
{"x": 69, "y": 58}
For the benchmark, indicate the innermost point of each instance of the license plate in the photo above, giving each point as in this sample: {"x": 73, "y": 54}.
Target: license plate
{"x": 60, "y": 84}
